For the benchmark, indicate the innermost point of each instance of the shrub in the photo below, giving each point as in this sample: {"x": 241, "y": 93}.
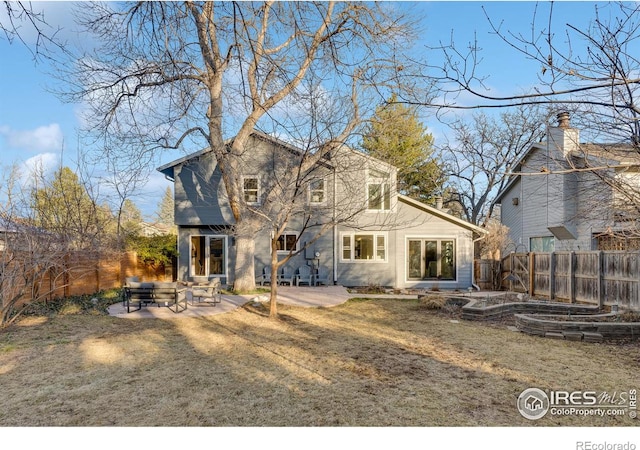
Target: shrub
{"x": 432, "y": 302}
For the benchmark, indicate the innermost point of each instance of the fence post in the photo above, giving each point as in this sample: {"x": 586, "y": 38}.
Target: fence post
{"x": 532, "y": 273}
{"x": 572, "y": 280}
{"x": 511, "y": 270}
{"x": 600, "y": 288}
{"x": 552, "y": 275}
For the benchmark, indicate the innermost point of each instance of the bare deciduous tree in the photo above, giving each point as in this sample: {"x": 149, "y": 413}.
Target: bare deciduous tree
{"x": 41, "y": 225}
{"x": 20, "y": 14}
{"x": 481, "y": 153}
{"x": 589, "y": 71}
{"x": 170, "y": 73}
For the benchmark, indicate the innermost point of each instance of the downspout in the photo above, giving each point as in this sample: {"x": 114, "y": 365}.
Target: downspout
{"x": 335, "y": 229}
{"x": 473, "y": 269}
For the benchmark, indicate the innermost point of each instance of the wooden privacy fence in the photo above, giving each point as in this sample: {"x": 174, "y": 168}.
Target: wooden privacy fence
{"x": 88, "y": 274}
{"x": 84, "y": 273}
{"x": 595, "y": 277}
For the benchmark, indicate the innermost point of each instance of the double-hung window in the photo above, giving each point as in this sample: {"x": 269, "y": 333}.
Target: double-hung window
{"x": 357, "y": 247}
{"x": 317, "y": 192}
{"x": 251, "y": 190}
{"x": 378, "y": 191}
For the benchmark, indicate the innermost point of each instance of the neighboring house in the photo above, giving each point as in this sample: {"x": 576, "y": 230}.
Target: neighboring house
{"x": 155, "y": 229}
{"x": 388, "y": 239}
{"x": 572, "y": 196}
{"x": 7, "y": 232}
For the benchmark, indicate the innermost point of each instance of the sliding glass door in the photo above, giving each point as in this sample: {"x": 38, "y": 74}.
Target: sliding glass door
{"x": 208, "y": 255}
{"x": 431, "y": 259}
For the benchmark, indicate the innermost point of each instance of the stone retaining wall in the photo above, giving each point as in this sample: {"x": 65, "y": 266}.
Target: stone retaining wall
{"x": 576, "y": 330}
{"x": 472, "y": 312}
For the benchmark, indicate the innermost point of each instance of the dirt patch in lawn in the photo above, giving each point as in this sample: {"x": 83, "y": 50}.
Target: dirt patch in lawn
{"x": 364, "y": 363}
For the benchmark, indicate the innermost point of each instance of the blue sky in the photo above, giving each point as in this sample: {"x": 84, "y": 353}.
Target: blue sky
{"x": 36, "y": 125}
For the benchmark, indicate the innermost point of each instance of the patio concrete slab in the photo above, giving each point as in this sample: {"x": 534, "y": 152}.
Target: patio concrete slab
{"x": 228, "y": 303}
{"x": 304, "y": 296}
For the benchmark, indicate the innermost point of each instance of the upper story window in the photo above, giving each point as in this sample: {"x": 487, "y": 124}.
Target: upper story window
{"x": 378, "y": 191}
{"x": 379, "y": 196}
{"x": 317, "y": 192}
{"x": 251, "y": 190}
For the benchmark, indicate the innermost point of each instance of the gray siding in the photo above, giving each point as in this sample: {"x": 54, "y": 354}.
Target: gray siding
{"x": 202, "y": 209}
{"x": 511, "y": 214}
{"x": 404, "y": 223}
{"x": 428, "y": 226}
{"x": 200, "y": 196}
{"x": 541, "y": 201}
{"x": 577, "y": 201}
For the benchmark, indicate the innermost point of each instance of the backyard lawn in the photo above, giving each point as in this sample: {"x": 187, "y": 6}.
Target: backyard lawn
{"x": 365, "y": 363}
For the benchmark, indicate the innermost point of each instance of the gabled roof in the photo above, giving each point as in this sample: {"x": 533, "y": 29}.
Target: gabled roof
{"x": 441, "y": 214}
{"x": 602, "y": 154}
{"x": 167, "y": 169}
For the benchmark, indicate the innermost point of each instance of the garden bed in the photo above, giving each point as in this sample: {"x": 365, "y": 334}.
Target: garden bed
{"x": 592, "y": 328}
{"x": 490, "y": 309}
{"x": 555, "y": 320}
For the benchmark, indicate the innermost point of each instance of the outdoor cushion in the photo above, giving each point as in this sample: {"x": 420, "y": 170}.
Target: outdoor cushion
{"x": 140, "y": 285}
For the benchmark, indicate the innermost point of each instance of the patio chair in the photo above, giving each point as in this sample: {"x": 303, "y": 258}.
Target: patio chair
{"x": 265, "y": 277}
{"x": 208, "y": 294}
{"x": 303, "y": 275}
{"x": 286, "y": 276}
{"x": 322, "y": 277}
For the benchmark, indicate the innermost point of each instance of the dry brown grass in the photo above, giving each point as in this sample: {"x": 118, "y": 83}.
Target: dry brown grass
{"x": 366, "y": 363}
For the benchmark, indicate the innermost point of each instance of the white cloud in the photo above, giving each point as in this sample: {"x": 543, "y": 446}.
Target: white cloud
{"x": 39, "y": 166}
{"x": 46, "y": 138}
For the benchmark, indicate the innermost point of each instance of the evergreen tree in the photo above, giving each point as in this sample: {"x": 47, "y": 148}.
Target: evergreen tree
{"x": 396, "y": 136}
{"x": 130, "y": 219}
{"x": 166, "y": 209}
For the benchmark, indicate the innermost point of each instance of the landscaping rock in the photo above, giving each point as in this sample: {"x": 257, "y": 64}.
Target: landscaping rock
{"x": 553, "y": 335}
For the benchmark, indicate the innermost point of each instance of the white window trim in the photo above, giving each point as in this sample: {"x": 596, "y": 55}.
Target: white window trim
{"x": 324, "y": 189}
{"x": 257, "y": 178}
{"x": 207, "y": 256}
{"x": 387, "y": 184}
{"x": 413, "y": 281}
{"x": 294, "y": 233}
{"x": 352, "y": 246}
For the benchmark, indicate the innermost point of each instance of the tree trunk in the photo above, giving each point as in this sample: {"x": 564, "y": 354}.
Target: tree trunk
{"x": 273, "y": 299}
{"x": 245, "y": 279}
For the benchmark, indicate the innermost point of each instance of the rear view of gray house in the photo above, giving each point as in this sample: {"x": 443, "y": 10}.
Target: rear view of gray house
{"x": 390, "y": 240}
